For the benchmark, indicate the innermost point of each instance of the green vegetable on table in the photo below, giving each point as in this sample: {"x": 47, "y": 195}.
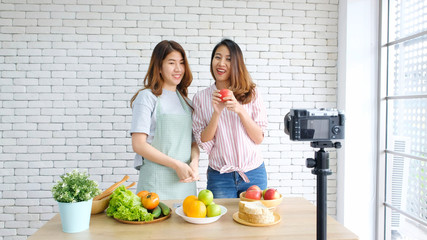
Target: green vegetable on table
{"x": 125, "y": 205}
{"x": 156, "y": 212}
{"x": 165, "y": 209}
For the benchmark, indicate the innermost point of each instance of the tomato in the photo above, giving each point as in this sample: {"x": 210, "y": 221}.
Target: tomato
{"x": 142, "y": 193}
{"x": 150, "y": 201}
{"x": 225, "y": 93}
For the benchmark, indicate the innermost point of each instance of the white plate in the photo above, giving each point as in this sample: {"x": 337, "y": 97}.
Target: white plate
{"x": 205, "y": 220}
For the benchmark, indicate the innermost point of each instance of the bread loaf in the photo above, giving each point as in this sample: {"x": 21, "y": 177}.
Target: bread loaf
{"x": 255, "y": 212}
{"x": 256, "y": 218}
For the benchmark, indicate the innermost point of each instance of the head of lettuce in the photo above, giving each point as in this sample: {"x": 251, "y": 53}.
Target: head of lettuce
{"x": 126, "y": 205}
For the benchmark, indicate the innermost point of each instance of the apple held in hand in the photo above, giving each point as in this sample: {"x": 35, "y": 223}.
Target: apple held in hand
{"x": 271, "y": 194}
{"x": 225, "y": 93}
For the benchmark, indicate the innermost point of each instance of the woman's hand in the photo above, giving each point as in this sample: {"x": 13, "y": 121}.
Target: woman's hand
{"x": 217, "y": 105}
{"x": 233, "y": 105}
{"x": 195, "y": 167}
{"x": 185, "y": 172}
{"x": 194, "y": 164}
{"x": 252, "y": 129}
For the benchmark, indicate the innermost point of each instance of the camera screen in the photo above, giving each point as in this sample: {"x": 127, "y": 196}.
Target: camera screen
{"x": 315, "y": 129}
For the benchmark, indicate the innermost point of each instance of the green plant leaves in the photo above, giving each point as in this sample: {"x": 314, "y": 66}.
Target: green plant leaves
{"x": 75, "y": 186}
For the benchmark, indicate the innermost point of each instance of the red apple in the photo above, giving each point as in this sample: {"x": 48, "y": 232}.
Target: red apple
{"x": 253, "y": 187}
{"x": 253, "y": 194}
{"x": 263, "y": 192}
{"x": 225, "y": 93}
{"x": 271, "y": 194}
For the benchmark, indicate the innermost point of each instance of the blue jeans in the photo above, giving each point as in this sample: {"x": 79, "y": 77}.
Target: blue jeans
{"x": 230, "y": 185}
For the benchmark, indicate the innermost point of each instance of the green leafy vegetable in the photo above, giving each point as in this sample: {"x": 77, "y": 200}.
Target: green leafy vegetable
{"x": 125, "y": 205}
{"x": 75, "y": 187}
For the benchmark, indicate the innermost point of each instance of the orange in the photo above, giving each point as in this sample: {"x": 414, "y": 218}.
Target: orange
{"x": 196, "y": 209}
{"x": 187, "y": 201}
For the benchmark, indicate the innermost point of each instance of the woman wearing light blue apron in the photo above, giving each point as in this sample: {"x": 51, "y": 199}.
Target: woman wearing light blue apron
{"x": 166, "y": 153}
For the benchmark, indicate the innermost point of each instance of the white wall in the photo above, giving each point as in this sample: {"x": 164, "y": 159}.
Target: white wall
{"x": 69, "y": 68}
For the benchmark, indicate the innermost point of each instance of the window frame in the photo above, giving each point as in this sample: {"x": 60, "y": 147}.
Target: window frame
{"x": 384, "y": 208}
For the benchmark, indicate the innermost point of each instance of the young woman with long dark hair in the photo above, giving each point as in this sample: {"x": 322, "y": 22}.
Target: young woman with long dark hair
{"x": 231, "y": 129}
{"x": 161, "y": 129}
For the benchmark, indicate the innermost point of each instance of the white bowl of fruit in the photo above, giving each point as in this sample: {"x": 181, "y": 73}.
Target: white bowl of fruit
{"x": 201, "y": 209}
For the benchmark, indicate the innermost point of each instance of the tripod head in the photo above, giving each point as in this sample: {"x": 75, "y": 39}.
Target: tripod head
{"x": 325, "y": 144}
{"x": 320, "y": 162}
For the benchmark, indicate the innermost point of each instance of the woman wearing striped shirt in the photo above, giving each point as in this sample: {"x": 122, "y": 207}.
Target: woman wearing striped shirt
{"x": 231, "y": 131}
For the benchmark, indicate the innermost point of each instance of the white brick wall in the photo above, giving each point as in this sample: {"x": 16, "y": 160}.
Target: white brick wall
{"x": 69, "y": 68}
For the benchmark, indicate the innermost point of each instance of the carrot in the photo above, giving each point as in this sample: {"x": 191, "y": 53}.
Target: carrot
{"x": 111, "y": 188}
{"x": 130, "y": 185}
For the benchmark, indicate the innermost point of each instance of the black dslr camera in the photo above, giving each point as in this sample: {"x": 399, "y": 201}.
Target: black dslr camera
{"x": 314, "y": 124}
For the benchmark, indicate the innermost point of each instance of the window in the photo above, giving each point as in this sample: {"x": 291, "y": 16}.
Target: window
{"x": 403, "y": 144}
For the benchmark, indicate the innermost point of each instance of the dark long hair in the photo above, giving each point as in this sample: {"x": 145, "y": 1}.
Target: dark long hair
{"x": 240, "y": 80}
{"x": 153, "y": 79}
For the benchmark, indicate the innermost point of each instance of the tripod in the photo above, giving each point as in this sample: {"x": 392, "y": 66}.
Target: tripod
{"x": 320, "y": 163}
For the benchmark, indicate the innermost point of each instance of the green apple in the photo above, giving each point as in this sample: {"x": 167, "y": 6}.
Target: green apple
{"x": 206, "y": 196}
{"x": 213, "y": 210}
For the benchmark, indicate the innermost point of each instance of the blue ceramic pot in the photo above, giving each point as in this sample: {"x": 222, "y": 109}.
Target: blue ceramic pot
{"x": 75, "y": 217}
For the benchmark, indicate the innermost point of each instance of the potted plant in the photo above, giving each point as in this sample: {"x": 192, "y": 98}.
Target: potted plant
{"x": 74, "y": 194}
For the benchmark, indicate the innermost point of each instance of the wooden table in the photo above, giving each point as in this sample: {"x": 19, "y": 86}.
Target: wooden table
{"x": 298, "y": 222}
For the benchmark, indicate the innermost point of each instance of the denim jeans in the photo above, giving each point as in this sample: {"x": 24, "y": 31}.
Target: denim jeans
{"x": 230, "y": 185}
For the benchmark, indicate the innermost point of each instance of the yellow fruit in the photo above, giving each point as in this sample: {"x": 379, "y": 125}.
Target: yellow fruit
{"x": 187, "y": 201}
{"x": 196, "y": 209}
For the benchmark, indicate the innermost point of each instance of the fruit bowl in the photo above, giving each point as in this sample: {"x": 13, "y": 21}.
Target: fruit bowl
{"x": 180, "y": 212}
{"x": 99, "y": 206}
{"x": 267, "y": 203}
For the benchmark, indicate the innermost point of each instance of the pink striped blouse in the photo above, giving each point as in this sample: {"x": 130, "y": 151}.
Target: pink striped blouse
{"x": 231, "y": 149}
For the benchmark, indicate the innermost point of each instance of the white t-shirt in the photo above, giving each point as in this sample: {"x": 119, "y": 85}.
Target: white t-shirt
{"x": 144, "y": 114}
